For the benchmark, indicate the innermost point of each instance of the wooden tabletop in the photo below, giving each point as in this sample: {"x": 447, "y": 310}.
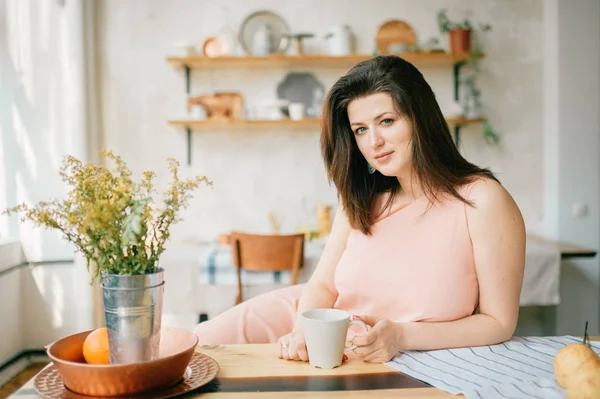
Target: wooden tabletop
{"x": 566, "y": 250}
{"x": 254, "y": 371}
{"x": 258, "y": 364}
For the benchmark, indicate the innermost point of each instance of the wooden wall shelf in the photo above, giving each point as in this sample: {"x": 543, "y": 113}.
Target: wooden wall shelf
{"x": 281, "y": 124}
{"x": 317, "y": 61}
{"x": 419, "y": 59}
{"x": 462, "y": 121}
{"x": 246, "y": 124}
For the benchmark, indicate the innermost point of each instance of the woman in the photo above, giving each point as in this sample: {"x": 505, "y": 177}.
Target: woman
{"x": 426, "y": 248}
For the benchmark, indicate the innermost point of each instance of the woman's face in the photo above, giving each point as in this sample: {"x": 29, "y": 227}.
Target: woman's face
{"x": 382, "y": 134}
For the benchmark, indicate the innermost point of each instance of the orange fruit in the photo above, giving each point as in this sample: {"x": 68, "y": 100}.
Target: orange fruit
{"x": 95, "y": 347}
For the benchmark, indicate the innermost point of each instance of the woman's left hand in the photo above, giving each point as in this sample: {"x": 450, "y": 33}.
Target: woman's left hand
{"x": 381, "y": 343}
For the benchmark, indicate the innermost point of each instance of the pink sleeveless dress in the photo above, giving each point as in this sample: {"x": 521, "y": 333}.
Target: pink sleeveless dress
{"x": 416, "y": 266}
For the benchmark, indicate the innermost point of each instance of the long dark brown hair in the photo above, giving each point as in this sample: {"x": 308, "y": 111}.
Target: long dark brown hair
{"x": 436, "y": 163}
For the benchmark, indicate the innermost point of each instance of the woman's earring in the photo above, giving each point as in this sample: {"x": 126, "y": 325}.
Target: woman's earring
{"x": 370, "y": 169}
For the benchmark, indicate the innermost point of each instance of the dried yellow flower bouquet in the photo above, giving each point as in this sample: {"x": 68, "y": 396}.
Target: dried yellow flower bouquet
{"x": 110, "y": 218}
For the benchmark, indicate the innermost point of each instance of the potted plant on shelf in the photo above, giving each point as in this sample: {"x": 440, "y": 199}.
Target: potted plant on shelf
{"x": 460, "y": 33}
{"x": 113, "y": 221}
{"x": 464, "y": 41}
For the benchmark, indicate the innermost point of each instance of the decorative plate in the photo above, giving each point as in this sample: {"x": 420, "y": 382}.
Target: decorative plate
{"x": 278, "y": 29}
{"x": 200, "y": 371}
{"x": 302, "y": 87}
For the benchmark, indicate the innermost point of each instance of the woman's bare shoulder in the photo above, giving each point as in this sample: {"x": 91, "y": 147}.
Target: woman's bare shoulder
{"x": 493, "y": 205}
{"x": 485, "y": 191}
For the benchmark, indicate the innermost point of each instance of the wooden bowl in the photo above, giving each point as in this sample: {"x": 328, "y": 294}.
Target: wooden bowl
{"x": 176, "y": 349}
{"x": 394, "y": 32}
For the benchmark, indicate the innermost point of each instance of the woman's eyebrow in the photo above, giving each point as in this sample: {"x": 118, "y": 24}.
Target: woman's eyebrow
{"x": 377, "y": 117}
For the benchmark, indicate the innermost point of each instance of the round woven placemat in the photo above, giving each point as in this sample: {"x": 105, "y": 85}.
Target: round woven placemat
{"x": 201, "y": 370}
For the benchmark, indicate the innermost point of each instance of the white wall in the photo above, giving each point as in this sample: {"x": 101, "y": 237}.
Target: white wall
{"x": 572, "y": 152}
{"x": 11, "y": 334}
{"x": 56, "y": 301}
{"x": 42, "y": 118}
{"x": 42, "y": 303}
{"x": 42, "y": 115}
{"x": 256, "y": 172}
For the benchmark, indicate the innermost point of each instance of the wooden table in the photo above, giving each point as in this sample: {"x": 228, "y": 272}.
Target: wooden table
{"x": 259, "y": 368}
{"x": 254, "y": 371}
{"x": 566, "y": 250}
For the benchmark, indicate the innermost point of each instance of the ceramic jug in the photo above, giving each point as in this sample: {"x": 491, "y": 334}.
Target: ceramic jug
{"x": 339, "y": 40}
{"x": 261, "y": 41}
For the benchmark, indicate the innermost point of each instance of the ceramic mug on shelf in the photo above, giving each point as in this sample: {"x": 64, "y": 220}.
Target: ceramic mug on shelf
{"x": 325, "y": 331}
{"x": 185, "y": 49}
{"x": 297, "y": 111}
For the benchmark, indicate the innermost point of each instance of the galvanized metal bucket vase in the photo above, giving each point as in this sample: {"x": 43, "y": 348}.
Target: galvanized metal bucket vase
{"x": 133, "y": 311}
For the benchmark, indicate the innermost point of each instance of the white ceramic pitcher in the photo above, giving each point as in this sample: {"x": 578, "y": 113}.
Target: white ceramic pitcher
{"x": 339, "y": 40}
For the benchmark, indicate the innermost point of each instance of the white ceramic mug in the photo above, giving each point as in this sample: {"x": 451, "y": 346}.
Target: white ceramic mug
{"x": 297, "y": 111}
{"x": 325, "y": 331}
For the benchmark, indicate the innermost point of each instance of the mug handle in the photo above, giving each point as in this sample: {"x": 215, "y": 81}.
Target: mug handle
{"x": 364, "y": 326}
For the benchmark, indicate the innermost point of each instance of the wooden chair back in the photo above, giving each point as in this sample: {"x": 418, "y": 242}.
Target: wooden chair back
{"x": 257, "y": 252}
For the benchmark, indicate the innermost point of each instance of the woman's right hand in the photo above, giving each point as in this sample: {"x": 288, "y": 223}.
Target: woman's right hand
{"x": 292, "y": 346}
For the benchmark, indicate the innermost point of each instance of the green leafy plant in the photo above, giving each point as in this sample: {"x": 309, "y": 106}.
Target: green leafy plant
{"x": 111, "y": 218}
{"x": 475, "y": 54}
{"x": 446, "y": 25}
{"x": 489, "y": 134}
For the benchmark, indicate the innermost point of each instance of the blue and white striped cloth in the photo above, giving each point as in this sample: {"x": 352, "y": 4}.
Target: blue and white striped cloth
{"x": 520, "y": 368}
